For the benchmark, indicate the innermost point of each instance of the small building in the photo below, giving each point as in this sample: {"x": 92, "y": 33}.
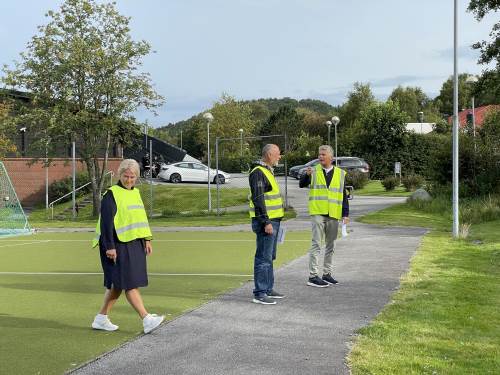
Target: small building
{"x": 420, "y": 127}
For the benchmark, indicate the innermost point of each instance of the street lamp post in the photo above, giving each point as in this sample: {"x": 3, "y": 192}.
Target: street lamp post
{"x": 241, "y": 142}
{"x": 335, "y": 122}
{"x": 472, "y": 79}
{"x": 209, "y": 117}
{"x": 329, "y": 124}
{"x": 455, "y": 121}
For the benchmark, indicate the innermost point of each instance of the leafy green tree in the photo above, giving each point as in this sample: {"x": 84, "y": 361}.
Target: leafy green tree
{"x": 360, "y": 98}
{"x": 410, "y": 100}
{"x": 285, "y": 121}
{"x": 444, "y": 101}
{"x": 490, "y": 51}
{"x": 487, "y": 89}
{"x": 6, "y": 128}
{"x": 230, "y": 116}
{"x": 83, "y": 70}
{"x": 383, "y": 137}
{"x": 314, "y": 123}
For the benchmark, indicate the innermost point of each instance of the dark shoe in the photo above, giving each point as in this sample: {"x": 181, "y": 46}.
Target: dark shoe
{"x": 274, "y": 294}
{"x": 265, "y": 300}
{"x": 329, "y": 279}
{"x": 317, "y": 282}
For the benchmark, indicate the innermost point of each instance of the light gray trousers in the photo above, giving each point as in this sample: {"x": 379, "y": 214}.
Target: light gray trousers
{"x": 324, "y": 229}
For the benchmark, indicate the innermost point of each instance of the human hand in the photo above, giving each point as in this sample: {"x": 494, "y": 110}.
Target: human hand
{"x": 268, "y": 229}
{"x": 148, "y": 248}
{"x": 111, "y": 254}
{"x": 309, "y": 171}
{"x": 345, "y": 220}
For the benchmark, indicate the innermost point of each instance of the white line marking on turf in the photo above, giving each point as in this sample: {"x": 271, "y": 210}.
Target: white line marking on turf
{"x": 182, "y": 240}
{"x": 100, "y": 273}
{"x": 27, "y": 243}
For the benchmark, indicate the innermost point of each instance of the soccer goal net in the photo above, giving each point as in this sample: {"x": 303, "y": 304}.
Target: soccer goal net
{"x": 13, "y": 221}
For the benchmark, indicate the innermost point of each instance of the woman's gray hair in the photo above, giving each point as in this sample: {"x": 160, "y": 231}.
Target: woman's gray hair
{"x": 326, "y": 148}
{"x": 129, "y": 164}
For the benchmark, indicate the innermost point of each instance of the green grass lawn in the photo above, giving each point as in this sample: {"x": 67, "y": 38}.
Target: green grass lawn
{"x": 444, "y": 318}
{"x": 45, "y": 319}
{"x": 374, "y": 187}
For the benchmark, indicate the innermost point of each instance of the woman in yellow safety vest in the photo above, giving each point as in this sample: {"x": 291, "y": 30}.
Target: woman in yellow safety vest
{"x": 124, "y": 240}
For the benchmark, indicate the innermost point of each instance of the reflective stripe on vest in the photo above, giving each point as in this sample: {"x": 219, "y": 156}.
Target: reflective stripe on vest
{"x": 323, "y": 199}
{"x": 272, "y": 199}
{"x": 131, "y": 221}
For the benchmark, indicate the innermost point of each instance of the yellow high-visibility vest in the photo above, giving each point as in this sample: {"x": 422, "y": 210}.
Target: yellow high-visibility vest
{"x": 131, "y": 221}
{"x": 326, "y": 200}
{"x": 272, "y": 199}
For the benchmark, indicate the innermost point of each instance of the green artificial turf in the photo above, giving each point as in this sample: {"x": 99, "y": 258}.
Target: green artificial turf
{"x": 45, "y": 319}
{"x": 444, "y": 318}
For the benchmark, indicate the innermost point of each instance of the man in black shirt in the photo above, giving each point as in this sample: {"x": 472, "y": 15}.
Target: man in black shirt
{"x": 266, "y": 211}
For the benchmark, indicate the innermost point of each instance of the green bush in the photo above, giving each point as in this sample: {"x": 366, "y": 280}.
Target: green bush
{"x": 236, "y": 164}
{"x": 59, "y": 188}
{"x": 390, "y": 183}
{"x": 356, "y": 179}
{"x": 412, "y": 182}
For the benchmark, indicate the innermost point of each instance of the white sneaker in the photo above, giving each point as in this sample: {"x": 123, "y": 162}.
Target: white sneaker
{"x": 151, "y": 322}
{"x": 102, "y": 322}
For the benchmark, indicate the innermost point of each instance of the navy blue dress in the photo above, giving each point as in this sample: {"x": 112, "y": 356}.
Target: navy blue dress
{"x": 129, "y": 271}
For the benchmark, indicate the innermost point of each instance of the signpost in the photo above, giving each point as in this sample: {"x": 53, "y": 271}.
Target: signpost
{"x": 397, "y": 170}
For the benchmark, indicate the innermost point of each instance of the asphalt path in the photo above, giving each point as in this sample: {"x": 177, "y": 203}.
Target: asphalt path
{"x": 308, "y": 332}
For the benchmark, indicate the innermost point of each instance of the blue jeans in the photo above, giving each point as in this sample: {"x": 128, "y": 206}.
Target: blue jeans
{"x": 264, "y": 256}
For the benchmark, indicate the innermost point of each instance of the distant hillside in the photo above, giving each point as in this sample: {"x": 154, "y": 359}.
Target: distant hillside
{"x": 271, "y": 104}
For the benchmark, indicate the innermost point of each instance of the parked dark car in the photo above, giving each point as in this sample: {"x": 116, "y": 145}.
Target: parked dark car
{"x": 302, "y": 170}
{"x": 294, "y": 171}
{"x": 348, "y": 163}
{"x": 351, "y": 163}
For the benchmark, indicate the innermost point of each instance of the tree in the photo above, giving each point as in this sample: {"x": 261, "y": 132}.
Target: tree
{"x": 358, "y": 99}
{"x": 6, "y": 128}
{"x": 487, "y": 89}
{"x": 410, "y": 100}
{"x": 82, "y": 70}
{"x": 314, "y": 123}
{"x": 285, "y": 121}
{"x": 444, "y": 101}
{"x": 490, "y": 51}
{"x": 230, "y": 115}
{"x": 383, "y": 137}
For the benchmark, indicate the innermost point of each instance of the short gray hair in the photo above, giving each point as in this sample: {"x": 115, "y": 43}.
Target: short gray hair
{"x": 326, "y": 148}
{"x": 129, "y": 164}
{"x": 267, "y": 149}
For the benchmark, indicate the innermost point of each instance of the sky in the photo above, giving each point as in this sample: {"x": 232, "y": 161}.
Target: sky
{"x": 301, "y": 49}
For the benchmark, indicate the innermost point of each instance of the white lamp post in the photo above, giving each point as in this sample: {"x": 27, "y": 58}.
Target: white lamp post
{"x": 455, "y": 122}
{"x": 472, "y": 79}
{"x": 329, "y": 124}
{"x": 209, "y": 117}
{"x": 241, "y": 142}
{"x": 335, "y": 122}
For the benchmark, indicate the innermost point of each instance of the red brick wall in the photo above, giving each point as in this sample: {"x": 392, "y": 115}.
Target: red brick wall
{"x": 29, "y": 180}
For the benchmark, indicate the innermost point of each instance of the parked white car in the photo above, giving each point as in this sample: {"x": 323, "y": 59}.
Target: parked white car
{"x": 191, "y": 172}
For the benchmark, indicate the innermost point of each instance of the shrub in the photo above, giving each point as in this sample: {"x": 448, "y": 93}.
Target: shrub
{"x": 390, "y": 183}
{"x": 357, "y": 179}
{"x": 59, "y": 188}
{"x": 412, "y": 182}
{"x": 235, "y": 164}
